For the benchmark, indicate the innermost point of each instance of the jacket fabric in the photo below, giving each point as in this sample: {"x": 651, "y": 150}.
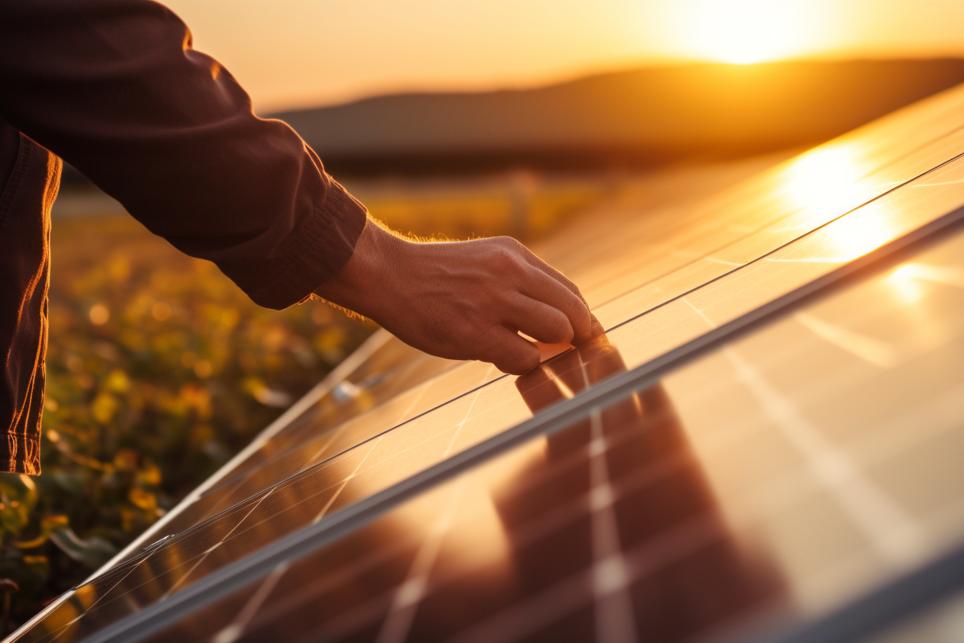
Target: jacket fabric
{"x": 114, "y": 88}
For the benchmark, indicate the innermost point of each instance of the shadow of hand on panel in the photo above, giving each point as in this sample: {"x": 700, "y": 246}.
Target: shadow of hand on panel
{"x": 621, "y": 484}
{"x": 628, "y": 465}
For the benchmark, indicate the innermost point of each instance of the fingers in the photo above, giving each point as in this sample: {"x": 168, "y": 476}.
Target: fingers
{"x": 595, "y": 328}
{"x": 509, "y": 352}
{"x": 582, "y": 331}
{"x": 538, "y": 320}
{"x": 544, "y": 288}
{"x": 536, "y": 262}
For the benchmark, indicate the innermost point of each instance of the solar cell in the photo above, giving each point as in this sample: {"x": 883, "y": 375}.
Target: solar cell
{"x": 760, "y": 485}
{"x": 368, "y": 461}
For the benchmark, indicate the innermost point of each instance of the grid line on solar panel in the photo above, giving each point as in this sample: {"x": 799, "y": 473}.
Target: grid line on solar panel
{"x": 525, "y": 614}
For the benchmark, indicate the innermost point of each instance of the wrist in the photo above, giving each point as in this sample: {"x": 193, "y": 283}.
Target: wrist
{"x": 364, "y": 282}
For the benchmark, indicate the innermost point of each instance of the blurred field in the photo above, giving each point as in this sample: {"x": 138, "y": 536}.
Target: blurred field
{"x": 521, "y": 204}
{"x": 159, "y": 369}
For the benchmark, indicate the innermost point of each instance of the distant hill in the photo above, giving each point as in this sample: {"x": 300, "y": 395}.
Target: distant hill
{"x": 644, "y": 115}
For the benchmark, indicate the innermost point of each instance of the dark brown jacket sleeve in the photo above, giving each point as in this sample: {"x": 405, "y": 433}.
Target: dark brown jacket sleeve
{"x": 114, "y": 88}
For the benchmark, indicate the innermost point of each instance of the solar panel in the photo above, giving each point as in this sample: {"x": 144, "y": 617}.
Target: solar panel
{"x": 676, "y": 281}
{"x": 673, "y": 247}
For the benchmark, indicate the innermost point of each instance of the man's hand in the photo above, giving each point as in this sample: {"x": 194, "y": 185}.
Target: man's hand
{"x": 462, "y": 299}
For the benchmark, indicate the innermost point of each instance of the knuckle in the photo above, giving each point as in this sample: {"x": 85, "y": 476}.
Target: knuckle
{"x": 567, "y": 282}
{"x": 486, "y": 341}
{"x": 461, "y": 330}
{"x": 580, "y": 321}
{"x": 502, "y": 258}
{"x": 508, "y": 242}
{"x": 508, "y": 262}
{"x": 579, "y": 307}
{"x": 575, "y": 310}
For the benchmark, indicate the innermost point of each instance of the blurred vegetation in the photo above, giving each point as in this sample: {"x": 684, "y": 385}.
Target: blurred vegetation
{"x": 160, "y": 369}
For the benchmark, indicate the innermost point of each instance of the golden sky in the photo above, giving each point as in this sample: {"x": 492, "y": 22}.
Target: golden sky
{"x": 303, "y": 52}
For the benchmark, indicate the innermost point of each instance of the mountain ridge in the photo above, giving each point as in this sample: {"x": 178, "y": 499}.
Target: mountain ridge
{"x": 637, "y": 115}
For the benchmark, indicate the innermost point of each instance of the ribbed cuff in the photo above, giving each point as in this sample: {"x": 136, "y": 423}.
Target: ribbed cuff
{"x": 20, "y": 453}
{"x": 315, "y": 251}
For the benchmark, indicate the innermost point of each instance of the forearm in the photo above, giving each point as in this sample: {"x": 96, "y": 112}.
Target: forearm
{"x": 114, "y": 87}
{"x": 366, "y": 283}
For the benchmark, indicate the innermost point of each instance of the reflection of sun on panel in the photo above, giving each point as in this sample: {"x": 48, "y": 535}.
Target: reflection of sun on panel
{"x": 905, "y": 284}
{"x": 913, "y": 285}
{"x": 827, "y": 182}
{"x": 820, "y": 182}
{"x": 861, "y": 232}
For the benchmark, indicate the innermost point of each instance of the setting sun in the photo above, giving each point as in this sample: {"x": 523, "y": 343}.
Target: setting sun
{"x": 749, "y": 31}
{"x": 294, "y": 53}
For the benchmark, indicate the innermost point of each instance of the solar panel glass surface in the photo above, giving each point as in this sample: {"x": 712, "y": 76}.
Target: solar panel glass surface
{"x": 766, "y": 482}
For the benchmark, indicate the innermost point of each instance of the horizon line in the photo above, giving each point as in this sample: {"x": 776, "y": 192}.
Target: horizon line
{"x": 276, "y": 107}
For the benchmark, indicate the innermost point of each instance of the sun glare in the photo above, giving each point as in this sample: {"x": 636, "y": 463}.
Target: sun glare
{"x": 827, "y": 182}
{"x": 824, "y": 180}
{"x": 747, "y": 31}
